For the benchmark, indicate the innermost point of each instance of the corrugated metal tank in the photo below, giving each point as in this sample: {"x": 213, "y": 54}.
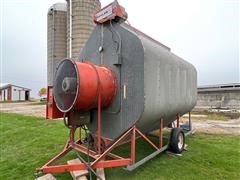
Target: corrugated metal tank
{"x": 56, "y": 38}
{"x": 82, "y": 24}
{"x": 152, "y": 82}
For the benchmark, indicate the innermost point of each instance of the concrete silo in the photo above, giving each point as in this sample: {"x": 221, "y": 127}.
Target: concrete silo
{"x": 56, "y": 38}
{"x": 79, "y": 24}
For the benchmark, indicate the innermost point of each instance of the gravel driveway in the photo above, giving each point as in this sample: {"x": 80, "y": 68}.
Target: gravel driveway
{"x": 231, "y": 126}
{"x": 26, "y": 108}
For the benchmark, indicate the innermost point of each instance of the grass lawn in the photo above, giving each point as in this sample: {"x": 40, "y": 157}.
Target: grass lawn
{"x": 28, "y": 142}
{"x": 21, "y": 101}
{"x": 38, "y": 103}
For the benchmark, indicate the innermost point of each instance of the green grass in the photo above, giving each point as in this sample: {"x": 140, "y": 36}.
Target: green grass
{"x": 38, "y": 103}
{"x": 28, "y": 142}
{"x": 20, "y": 101}
{"x": 31, "y": 102}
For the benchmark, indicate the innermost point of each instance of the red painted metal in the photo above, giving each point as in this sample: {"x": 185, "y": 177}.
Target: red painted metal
{"x": 99, "y": 121}
{"x": 72, "y": 133}
{"x": 148, "y": 140}
{"x": 84, "y": 150}
{"x": 107, "y": 142}
{"x": 52, "y": 112}
{"x": 65, "y": 150}
{"x": 100, "y": 159}
{"x": 114, "y": 156}
{"x": 110, "y": 12}
{"x": 133, "y": 145}
{"x": 112, "y": 163}
{"x": 161, "y": 133}
{"x": 91, "y": 77}
{"x": 99, "y": 162}
{"x": 81, "y": 166}
{"x": 178, "y": 119}
{"x": 113, "y": 145}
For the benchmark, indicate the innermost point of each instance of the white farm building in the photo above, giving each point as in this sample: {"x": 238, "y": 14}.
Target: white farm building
{"x": 10, "y": 92}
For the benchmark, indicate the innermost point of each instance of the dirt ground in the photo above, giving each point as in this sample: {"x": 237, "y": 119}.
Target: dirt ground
{"x": 25, "y": 108}
{"x": 231, "y": 126}
{"x": 209, "y": 126}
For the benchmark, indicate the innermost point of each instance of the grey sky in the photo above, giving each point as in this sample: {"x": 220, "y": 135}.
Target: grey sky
{"x": 203, "y": 32}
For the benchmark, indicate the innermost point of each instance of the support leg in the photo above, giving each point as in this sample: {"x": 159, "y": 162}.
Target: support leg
{"x": 146, "y": 139}
{"x": 133, "y": 145}
{"x": 161, "y": 133}
{"x": 189, "y": 121}
{"x": 109, "y": 149}
{"x": 178, "y": 119}
{"x": 72, "y": 133}
{"x": 99, "y": 123}
{"x": 65, "y": 150}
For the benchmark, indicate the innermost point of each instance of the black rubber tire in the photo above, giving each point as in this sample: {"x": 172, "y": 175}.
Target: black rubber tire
{"x": 174, "y": 140}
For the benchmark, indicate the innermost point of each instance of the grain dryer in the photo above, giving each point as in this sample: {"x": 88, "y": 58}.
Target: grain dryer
{"x": 123, "y": 86}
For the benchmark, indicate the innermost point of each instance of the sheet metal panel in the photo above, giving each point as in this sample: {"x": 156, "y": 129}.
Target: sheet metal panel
{"x": 170, "y": 86}
{"x": 157, "y": 82}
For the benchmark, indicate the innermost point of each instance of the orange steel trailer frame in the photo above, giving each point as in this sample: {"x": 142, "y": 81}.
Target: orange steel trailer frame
{"x": 99, "y": 157}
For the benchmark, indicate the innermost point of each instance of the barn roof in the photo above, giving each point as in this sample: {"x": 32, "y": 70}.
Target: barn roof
{"x": 219, "y": 87}
{"x": 7, "y": 85}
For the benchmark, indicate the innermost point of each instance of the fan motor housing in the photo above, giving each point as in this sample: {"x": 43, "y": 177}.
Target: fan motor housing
{"x": 77, "y": 85}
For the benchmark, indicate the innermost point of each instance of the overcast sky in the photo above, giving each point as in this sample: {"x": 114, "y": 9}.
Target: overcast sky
{"x": 203, "y": 32}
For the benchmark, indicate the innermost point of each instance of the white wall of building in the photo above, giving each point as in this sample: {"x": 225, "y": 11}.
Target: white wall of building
{"x": 18, "y": 93}
{"x": 2, "y": 95}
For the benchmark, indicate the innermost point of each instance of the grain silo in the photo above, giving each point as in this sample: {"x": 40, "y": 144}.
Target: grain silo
{"x": 80, "y": 24}
{"x": 56, "y": 38}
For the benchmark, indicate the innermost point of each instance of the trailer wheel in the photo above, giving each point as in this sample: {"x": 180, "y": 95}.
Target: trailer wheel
{"x": 177, "y": 140}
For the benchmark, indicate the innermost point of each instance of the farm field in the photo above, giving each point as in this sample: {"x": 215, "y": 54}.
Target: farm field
{"x": 27, "y": 142}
